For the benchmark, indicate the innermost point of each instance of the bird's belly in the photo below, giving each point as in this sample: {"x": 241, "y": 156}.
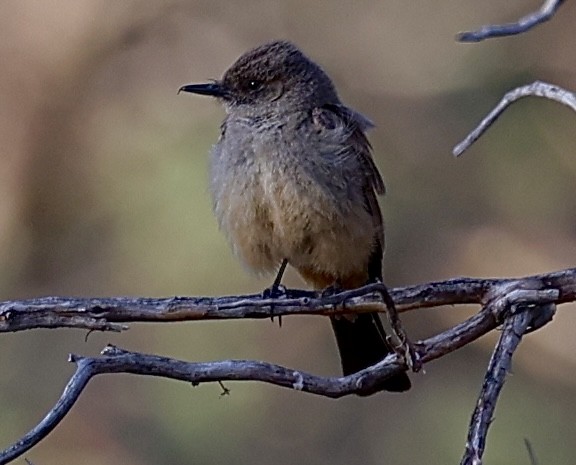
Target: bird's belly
{"x": 268, "y": 221}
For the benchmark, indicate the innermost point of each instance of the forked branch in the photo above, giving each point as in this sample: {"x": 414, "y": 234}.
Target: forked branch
{"x": 514, "y": 328}
{"x": 536, "y": 89}
{"x": 496, "y": 296}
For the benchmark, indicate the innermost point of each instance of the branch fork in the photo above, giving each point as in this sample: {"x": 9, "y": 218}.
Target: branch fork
{"x": 518, "y": 304}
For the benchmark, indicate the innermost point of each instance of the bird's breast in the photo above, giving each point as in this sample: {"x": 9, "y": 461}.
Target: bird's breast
{"x": 271, "y": 202}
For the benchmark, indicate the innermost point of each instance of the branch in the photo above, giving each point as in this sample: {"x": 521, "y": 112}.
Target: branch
{"x": 114, "y": 360}
{"x": 107, "y": 314}
{"x": 536, "y": 89}
{"x": 546, "y": 11}
{"x": 500, "y": 362}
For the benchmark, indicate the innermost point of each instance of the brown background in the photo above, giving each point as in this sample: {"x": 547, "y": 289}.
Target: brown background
{"x": 103, "y": 191}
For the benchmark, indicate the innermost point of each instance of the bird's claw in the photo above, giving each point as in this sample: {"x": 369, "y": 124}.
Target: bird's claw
{"x": 276, "y": 291}
{"x": 332, "y": 290}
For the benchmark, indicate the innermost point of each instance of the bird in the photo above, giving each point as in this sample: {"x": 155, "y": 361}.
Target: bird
{"x": 293, "y": 182}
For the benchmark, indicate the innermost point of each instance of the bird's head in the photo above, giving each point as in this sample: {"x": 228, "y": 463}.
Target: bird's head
{"x": 271, "y": 79}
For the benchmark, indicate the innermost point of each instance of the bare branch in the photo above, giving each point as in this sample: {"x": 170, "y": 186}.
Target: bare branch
{"x": 106, "y": 313}
{"x": 114, "y": 360}
{"x": 536, "y": 89}
{"x": 500, "y": 363}
{"x": 546, "y": 11}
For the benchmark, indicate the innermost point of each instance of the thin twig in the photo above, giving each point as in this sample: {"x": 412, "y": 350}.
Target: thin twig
{"x": 546, "y": 11}
{"x": 531, "y": 453}
{"x": 106, "y": 313}
{"x": 500, "y": 363}
{"x": 115, "y": 360}
{"x": 536, "y": 89}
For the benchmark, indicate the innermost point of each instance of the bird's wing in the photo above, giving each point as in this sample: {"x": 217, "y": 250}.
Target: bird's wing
{"x": 332, "y": 115}
{"x": 356, "y": 124}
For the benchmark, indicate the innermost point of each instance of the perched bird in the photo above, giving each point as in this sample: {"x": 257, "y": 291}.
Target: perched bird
{"x": 293, "y": 182}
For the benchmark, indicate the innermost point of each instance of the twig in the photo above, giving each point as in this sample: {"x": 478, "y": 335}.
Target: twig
{"x": 500, "y": 362}
{"x": 106, "y": 313}
{"x": 536, "y": 89}
{"x": 531, "y": 453}
{"x": 546, "y": 11}
{"x": 115, "y": 360}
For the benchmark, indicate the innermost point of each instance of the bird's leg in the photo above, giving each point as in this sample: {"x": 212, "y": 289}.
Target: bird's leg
{"x": 277, "y": 282}
{"x": 276, "y": 290}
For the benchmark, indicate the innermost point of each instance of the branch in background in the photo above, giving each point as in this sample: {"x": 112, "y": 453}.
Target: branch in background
{"x": 546, "y": 11}
{"x": 531, "y": 453}
{"x": 108, "y": 314}
{"x": 500, "y": 295}
{"x": 536, "y": 89}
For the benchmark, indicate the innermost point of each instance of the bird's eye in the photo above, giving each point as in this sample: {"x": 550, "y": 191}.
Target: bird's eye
{"x": 254, "y": 85}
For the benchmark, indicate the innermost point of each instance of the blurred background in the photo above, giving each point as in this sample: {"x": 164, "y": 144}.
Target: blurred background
{"x": 103, "y": 192}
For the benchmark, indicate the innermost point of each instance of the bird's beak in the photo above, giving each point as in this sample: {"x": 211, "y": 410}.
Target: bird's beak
{"x": 213, "y": 89}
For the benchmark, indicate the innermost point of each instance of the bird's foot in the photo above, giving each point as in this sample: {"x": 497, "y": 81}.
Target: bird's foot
{"x": 276, "y": 291}
{"x": 331, "y": 290}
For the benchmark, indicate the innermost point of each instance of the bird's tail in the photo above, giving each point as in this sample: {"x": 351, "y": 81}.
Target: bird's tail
{"x": 362, "y": 343}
